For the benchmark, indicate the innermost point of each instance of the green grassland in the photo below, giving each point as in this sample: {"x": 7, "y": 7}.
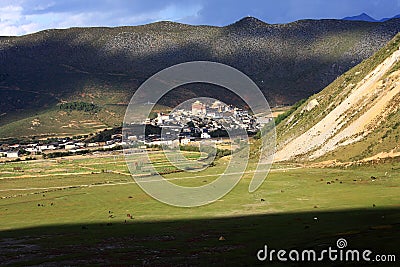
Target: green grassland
{"x": 74, "y": 210}
{"x": 56, "y": 122}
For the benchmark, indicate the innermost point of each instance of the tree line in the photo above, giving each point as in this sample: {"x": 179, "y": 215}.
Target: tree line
{"x": 80, "y": 106}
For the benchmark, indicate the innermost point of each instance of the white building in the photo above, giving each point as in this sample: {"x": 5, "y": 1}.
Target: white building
{"x": 12, "y": 154}
{"x": 162, "y": 118}
{"x": 32, "y": 149}
{"x": 80, "y": 144}
{"x": 162, "y": 142}
{"x": 186, "y": 140}
{"x": 205, "y": 136}
{"x": 92, "y": 144}
{"x": 211, "y": 114}
{"x": 70, "y": 146}
{"x": 45, "y": 147}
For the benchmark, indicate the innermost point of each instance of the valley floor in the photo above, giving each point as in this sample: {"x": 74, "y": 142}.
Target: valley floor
{"x": 86, "y": 210}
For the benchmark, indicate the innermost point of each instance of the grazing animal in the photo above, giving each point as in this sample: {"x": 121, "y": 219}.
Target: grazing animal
{"x": 373, "y": 205}
{"x": 262, "y": 200}
{"x": 373, "y": 178}
{"x": 328, "y": 182}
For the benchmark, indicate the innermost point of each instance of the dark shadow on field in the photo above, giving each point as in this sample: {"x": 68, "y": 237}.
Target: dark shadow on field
{"x": 215, "y": 241}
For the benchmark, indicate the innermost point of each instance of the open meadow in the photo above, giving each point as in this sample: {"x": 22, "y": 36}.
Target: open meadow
{"x": 88, "y": 210}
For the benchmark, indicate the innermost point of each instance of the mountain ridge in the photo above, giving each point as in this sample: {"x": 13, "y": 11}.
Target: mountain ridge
{"x": 368, "y": 18}
{"x": 105, "y": 65}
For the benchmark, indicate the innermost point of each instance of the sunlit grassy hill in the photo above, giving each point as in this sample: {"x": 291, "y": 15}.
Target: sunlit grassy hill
{"x": 356, "y": 117}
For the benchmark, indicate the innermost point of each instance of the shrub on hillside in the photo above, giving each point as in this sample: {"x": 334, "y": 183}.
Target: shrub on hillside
{"x": 283, "y": 116}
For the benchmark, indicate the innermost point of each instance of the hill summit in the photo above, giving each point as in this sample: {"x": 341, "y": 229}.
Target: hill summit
{"x": 361, "y": 17}
{"x": 249, "y": 21}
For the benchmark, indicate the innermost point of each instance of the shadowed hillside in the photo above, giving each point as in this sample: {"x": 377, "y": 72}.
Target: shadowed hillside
{"x": 105, "y": 65}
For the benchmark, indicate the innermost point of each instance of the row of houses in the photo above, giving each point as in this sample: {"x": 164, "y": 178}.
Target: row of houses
{"x": 16, "y": 150}
{"x": 10, "y": 154}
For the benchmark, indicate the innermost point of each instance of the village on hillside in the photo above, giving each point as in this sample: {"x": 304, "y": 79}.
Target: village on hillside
{"x": 185, "y": 126}
{"x": 195, "y": 122}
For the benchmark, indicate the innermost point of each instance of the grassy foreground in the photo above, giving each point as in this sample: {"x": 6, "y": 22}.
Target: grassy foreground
{"x": 88, "y": 210}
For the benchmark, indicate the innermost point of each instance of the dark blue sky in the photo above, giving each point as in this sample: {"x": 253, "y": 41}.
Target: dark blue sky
{"x": 19, "y": 17}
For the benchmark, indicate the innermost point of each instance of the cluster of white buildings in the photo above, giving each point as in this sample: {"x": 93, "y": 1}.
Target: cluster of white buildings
{"x": 215, "y": 116}
{"x": 200, "y": 121}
